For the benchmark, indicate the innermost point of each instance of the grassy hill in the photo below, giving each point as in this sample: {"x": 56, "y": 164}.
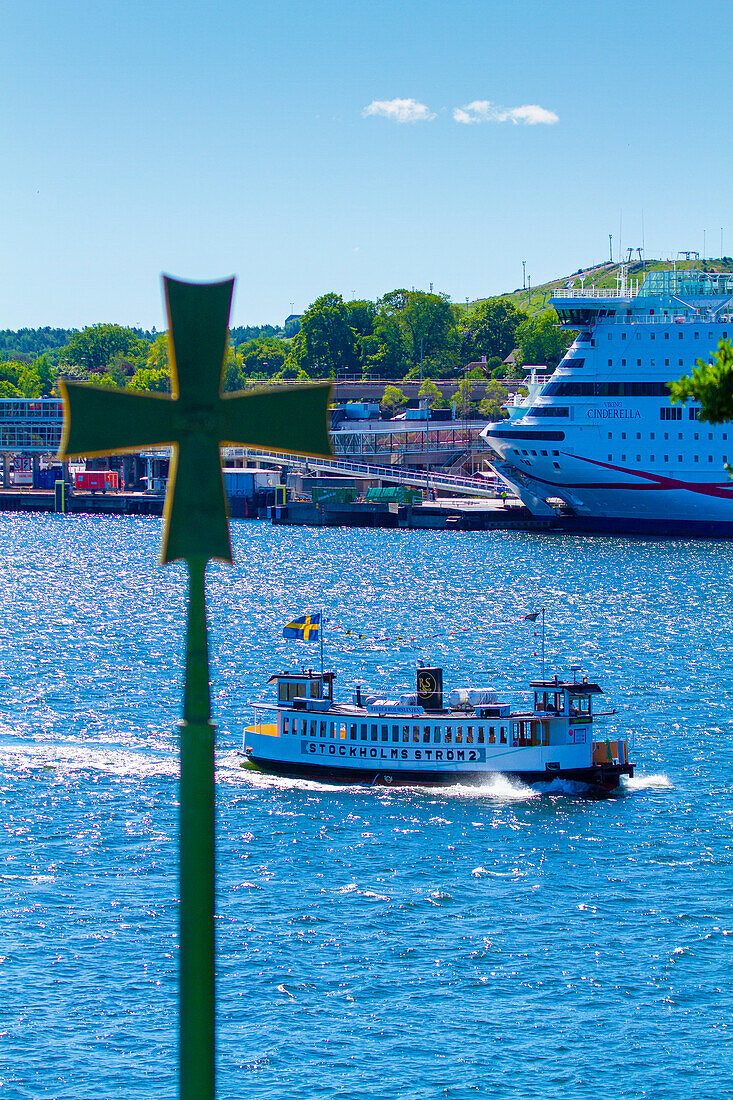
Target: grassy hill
{"x": 603, "y": 276}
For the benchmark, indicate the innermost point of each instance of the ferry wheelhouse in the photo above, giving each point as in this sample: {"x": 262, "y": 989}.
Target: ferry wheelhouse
{"x": 424, "y": 739}
{"x": 601, "y": 438}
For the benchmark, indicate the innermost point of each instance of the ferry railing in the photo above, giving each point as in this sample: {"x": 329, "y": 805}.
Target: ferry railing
{"x": 590, "y": 292}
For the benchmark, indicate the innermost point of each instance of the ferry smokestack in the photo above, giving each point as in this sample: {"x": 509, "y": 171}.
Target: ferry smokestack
{"x": 430, "y": 688}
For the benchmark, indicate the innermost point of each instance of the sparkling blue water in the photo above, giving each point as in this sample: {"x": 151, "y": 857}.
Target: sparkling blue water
{"x": 496, "y": 941}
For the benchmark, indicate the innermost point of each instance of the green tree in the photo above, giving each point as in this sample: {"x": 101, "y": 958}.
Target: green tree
{"x": 392, "y": 399}
{"x": 360, "y": 316}
{"x": 430, "y": 333}
{"x": 262, "y": 357}
{"x": 491, "y": 329}
{"x": 433, "y": 394}
{"x": 711, "y": 384}
{"x": 147, "y": 378}
{"x": 541, "y": 341}
{"x": 326, "y": 344}
{"x": 490, "y": 407}
{"x": 463, "y": 397}
{"x": 389, "y": 357}
{"x": 97, "y": 346}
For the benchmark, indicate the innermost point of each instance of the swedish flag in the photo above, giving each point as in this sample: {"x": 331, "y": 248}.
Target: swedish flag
{"x": 305, "y": 629}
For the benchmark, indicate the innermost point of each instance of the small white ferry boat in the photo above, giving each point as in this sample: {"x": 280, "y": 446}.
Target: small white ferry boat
{"x": 422, "y": 739}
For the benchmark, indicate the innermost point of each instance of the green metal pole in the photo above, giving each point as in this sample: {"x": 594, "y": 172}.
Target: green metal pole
{"x": 197, "y": 1011}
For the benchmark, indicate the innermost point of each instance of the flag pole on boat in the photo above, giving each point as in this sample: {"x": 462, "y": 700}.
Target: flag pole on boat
{"x": 543, "y": 643}
{"x": 323, "y": 619}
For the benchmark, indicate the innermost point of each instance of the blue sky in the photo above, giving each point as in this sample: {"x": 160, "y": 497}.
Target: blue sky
{"x": 218, "y": 138}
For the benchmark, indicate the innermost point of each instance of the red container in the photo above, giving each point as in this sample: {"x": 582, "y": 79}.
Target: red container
{"x": 97, "y": 481}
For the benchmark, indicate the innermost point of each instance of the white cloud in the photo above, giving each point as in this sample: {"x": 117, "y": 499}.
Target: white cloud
{"x": 483, "y": 110}
{"x": 399, "y": 110}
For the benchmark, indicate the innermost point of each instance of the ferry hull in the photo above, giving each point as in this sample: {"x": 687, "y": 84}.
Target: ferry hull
{"x": 601, "y": 777}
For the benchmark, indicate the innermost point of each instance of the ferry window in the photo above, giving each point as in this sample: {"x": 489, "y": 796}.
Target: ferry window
{"x": 638, "y": 362}
{"x": 666, "y": 362}
{"x": 623, "y": 362}
{"x": 679, "y": 334}
{"x": 710, "y": 335}
{"x": 556, "y": 453}
{"x": 353, "y": 732}
{"x": 448, "y": 735}
{"x": 314, "y": 727}
{"x": 666, "y": 458}
{"x": 651, "y": 362}
{"x": 623, "y": 458}
{"x": 697, "y": 335}
{"x": 385, "y": 733}
{"x": 480, "y": 735}
{"x": 405, "y": 733}
{"x": 710, "y": 458}
{"x": 492, "y": 738}
{"x": 558, "y": 702}
{"x": 638, "y": 458}
{"x": 395, "y": 733}
{"x": 503, "y": 735}
{"x": 416, "y": 735}
{"x": 610, "y": 435}
{"x": 679, "y": 362}
{"x": 315, "y": 689}
{"x": 725, "y": 435}
{"x": 710, "y": 435}
{"x": 679, "y": 458}
{"x": 323, "y": 729}
{"x": 545, "y": 452}
{"x": 436, "y": 735}
{"x": 374, "y": 733}
{"x": 638, "y": 336}
{"x": 679, "y": 435}
{"x": 459, "y": 735}
{"x": 610, "y": 337}
{"x": 469, "y": 736}
{"x": 623, "y": 435}
{"x": 697, "y": 458}
{"x": 363, "y": 732}
{"x": 666, "y": 435}
{"x": 556, "y": 465}
{"x": 286, "y": 724}
{"x": 697, "y": 435}
{"x": 426, "y": 735}
{"x": 651, "y": 458}
{"x": 623, "y": 335}
{"x": 610, "y": 458}
{"x": 638, "y": 435}
{"x": 342, "y": 732}
{"x": 666, "y": 336}
{"x": 653, "y": 334}
{"x": 651, "y": 435}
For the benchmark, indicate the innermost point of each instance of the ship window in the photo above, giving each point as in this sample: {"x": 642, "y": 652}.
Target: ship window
{"x": 385, "y": 733}
{"x": 610, "y": 435}
{"x": 666, "y": 458}
{"x": 638, "y": 336}
{"x": 610, "y": 458}
{"x": 405, "y": 734}
{"x": 679, "y": 435}
{"x": 426, "y": 735}
{"x": 653, "y": 334}
{"x": 679, "y": 458}
{"x": 623, "y": 335}
{"x": 352, "y": 731}
{"x": 679, "y": 334}
{"x": 679, "y": 362}
{"x": 610, "y": 362}
{"x": 666, "y": 435}
{"x": 638, "y": 362}
{"x": 710, "y": 458}
{"x": 286, "y": 724}
{"x": 416, "y": 734}
{"x": 666, "y": 336}
{"x": 459, "y": 735}
{"x": 651, "y": 458}
{"x": 651, "y": 362}
{"x": 710, "y": 435}
{"x": 623, "y": 435}
{"x": 323, "y": 729}
{"x": 623, "y": 362}
{"x": 545, "y": 452}
{"x": 436, "y": 735}
{"x": 610, "y": 337}
{"x": 375, "y": 732}
{"x": 469, "y": 736}
{"x": 448, "y": 735}
{"x": 725, "y": 435}
{"x": 480, "y": 739}
{"x": 492, "y": 739}
{"x": 314, "y": 727}
{"x": 697, "y": 335}
{"x": 502, "y": 735}
{"x": 638, "y": 435}
{"x": 694, "y": 414}
{"x": 638, "y": 458}
{"x": 556, "y": 465}
{"x": 697, "y": 458}
{"x": 556, "y": 453}
{"x": 651, "y": 435}
{"x": 623, "y": 458}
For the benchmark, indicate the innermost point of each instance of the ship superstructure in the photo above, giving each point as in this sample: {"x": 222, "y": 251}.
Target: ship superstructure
{"x": 602, "y": 438}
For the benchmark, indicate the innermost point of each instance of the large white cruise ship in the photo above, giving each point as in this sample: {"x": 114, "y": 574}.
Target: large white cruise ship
{"x": 602, "y": 435}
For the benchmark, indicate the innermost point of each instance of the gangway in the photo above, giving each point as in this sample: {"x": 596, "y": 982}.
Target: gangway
{"x": 466, "y": 486}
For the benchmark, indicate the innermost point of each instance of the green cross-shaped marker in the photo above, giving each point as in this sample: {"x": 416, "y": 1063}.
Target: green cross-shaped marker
{"x": 196, "y": 420}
